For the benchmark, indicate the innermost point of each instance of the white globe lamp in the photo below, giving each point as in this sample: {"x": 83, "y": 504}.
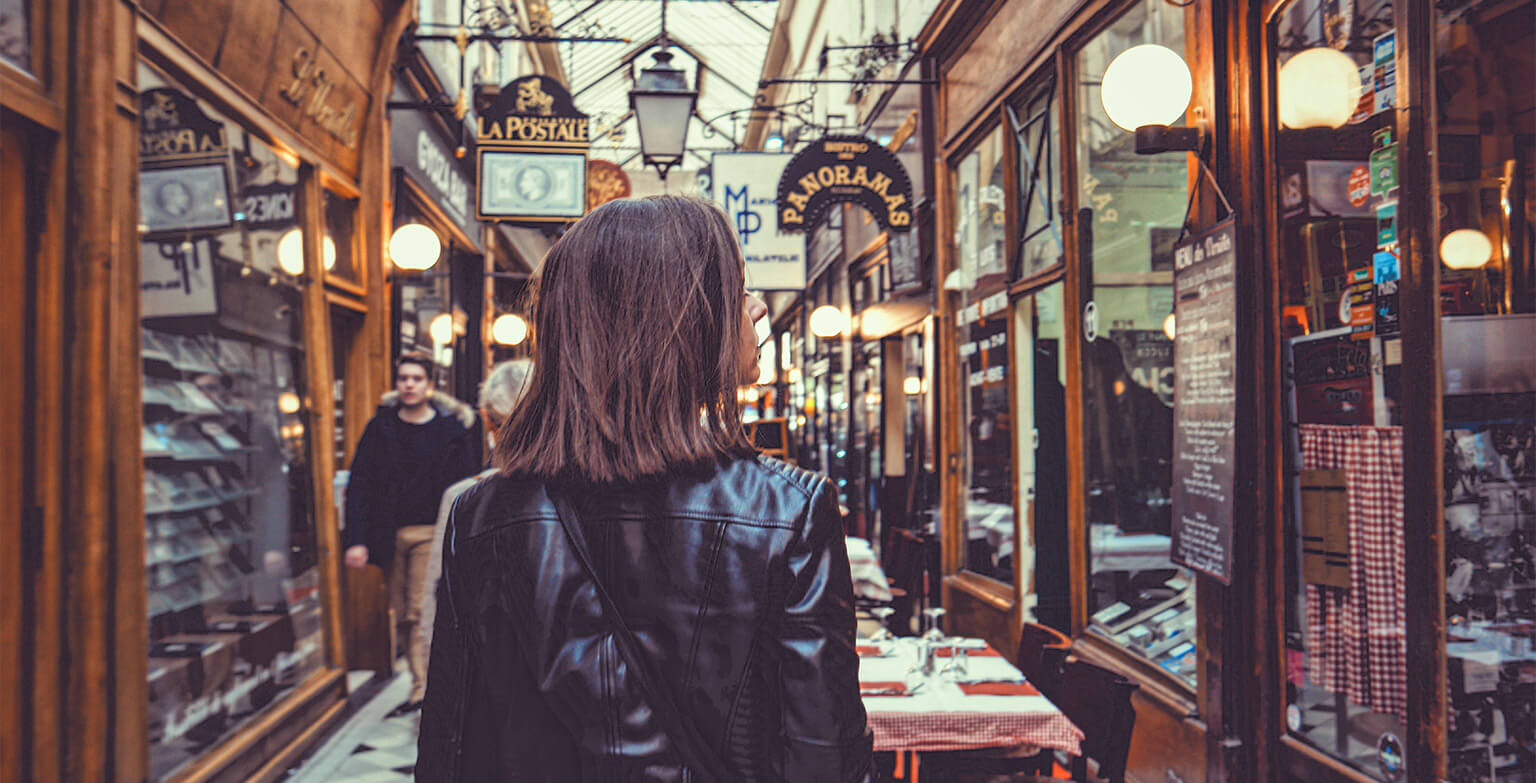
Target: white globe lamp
{"x": 1318, "y": 88}
{"x": 828, "y": 321}
{"x": 415, "y": 247}
{"x": 441, "y": 329}
{"x": 509, "y": 329}
{"x": 1466, "y": 248}
{"x": 290, "y": 252}
{"x": 1146, "y": 85}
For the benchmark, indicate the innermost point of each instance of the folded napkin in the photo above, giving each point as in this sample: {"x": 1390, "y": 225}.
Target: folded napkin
{"x": 983, "y": 652}
{"x": 998, "y": 689}
{"x": 893, "y": 688}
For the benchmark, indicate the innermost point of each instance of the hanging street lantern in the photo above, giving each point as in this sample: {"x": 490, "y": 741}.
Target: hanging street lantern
{"x": 662, "y": 104}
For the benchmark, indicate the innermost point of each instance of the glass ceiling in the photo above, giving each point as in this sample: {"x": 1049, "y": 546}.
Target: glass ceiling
{"x": 720, "y": 44}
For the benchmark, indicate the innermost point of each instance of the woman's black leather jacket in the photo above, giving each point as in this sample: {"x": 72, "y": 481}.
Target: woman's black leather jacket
{"x": 736, "y": 584}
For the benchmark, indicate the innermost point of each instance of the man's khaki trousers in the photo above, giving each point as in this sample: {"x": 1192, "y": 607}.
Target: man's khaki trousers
{"x": 407, "y": 582}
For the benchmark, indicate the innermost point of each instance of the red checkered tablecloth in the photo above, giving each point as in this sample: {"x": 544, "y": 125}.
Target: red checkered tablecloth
{"x": 1356, "y": 638}
{"x": 940, "y": 716}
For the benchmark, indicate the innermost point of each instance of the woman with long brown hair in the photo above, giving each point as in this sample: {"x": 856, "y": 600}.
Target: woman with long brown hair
{"x": 637, "y": 595}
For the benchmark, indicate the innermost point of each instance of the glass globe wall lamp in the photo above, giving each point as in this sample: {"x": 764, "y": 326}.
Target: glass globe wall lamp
{"x": 828, "y": 321}
{"x": 1318, "y": 88}
{"x": 662, "y": 104}
{"x": 290, "y": 252}
{"x": 1466, "y": 248}
{"x": 509, "y": 329}
{"x": 415, "y": 247}
{"x": 1145, "y": 90}
{"x": 441, "y": 329}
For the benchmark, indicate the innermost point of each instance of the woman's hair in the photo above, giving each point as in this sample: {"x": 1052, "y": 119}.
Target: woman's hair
{"x": 501, "y": 390}
{"x": 637, "y": 313}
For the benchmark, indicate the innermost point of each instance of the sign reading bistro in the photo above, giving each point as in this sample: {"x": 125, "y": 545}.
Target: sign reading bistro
{"x": 844, "y": 169}
{"x": 532, "y": 154}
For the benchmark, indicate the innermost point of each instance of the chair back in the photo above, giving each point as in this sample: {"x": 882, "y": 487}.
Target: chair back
{"x": 1042, "y": 650}
{"x": 1099, "y": 702}
{"x": 905, "y": 562}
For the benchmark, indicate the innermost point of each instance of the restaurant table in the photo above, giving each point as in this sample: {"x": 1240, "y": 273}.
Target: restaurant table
{"x": 868, "y": 579}
{"x": 938, "y": 715}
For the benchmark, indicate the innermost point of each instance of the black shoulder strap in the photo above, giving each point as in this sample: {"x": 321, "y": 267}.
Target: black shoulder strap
{"x": 689, "y": 743}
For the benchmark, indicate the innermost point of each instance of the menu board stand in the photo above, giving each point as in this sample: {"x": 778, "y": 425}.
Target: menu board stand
{"x": 1205, "y": 400}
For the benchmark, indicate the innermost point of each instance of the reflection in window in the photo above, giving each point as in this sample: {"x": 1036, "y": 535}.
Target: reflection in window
{"x": 1131, "y": 208}
{"x": 341, "y": 238}
{"x": 981, "y": 317}
{"x": 230, "y": 540}
{"x": 16, "y": 34}
{"x": 1486, "y": 130}
{"x": 1042, "y": 435}
{"x": 1035, "y": 132}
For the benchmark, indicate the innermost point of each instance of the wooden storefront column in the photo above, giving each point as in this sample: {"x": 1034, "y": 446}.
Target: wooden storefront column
{"x": 1422, "y": 405}
{"x": 101, "y": 497}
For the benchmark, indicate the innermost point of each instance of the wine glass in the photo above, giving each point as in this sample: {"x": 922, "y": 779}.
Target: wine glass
{"x": 932, "y": 616}
{"x": 883, "y": 614}
{"x": 958, "y": 667}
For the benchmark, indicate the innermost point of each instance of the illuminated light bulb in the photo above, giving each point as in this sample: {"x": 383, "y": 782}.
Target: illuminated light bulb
{"x": 912, "y": 385}
{"x": 1318, "y": 88}
{"x": 1171, "y": 326}
{"x": 441, "y": 329}
{"x": 288, "y": 402}
{"x": 1146, "y": 85}
{"x": 509, "y": 329}
{"x": 415, "y": 247}
{"x": 290, "y": 252}
{"x": 1466, "y": 248}
{"x": 827, "y": 321}
{"x": 793, "y": 376}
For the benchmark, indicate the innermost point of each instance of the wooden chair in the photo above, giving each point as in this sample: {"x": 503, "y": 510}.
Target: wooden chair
{"x": 1096, "y": 699}
{"x": 1042, "y": 651}
{"x": 905, "y": 566}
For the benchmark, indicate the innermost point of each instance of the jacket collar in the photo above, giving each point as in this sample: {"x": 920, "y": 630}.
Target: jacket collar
{"x": 445, "y": 405}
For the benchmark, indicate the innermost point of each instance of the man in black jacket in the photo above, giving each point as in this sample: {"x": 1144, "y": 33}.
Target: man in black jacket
{"x": 417, "y": 444}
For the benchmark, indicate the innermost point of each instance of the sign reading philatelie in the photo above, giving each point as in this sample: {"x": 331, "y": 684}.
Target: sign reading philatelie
{"x": 844, "y": 169}
{"x": 1205, "y": 400}
{"x": 745, "y": 185}
{"x": 531, "y": 154}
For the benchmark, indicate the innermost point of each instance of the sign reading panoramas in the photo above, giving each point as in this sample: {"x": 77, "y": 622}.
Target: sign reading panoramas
{"x": 844, "y": 169}
{"x": 532, "y": 154}
{"x": 745, "y": 184}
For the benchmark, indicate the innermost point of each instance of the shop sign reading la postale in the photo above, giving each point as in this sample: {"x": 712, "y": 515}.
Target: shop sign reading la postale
{"x": 531, "y": 154}
{"x": 844, "y": 169}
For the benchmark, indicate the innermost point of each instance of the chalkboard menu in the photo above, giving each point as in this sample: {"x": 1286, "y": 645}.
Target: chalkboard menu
{"x": 1205, "y": 400}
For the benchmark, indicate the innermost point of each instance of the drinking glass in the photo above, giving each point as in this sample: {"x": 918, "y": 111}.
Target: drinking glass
{"x": 883, "y": 614}
{"x": 959, "y": 665}
{"x": 932, "y": 617}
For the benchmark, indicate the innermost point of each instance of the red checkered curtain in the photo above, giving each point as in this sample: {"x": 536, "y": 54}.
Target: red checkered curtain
{"x": 1356, "y": 640}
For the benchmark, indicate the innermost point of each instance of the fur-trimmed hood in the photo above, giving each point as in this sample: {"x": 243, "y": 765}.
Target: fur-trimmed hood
{"x": 445, "y": 404}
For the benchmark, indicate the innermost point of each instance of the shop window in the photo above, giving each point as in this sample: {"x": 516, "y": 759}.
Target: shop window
{"x": 16, "y": 34}
{"x": 1130, "y": 210}
{"x": 341, "y": 247}
{"x": 1035, "y": 132}
{"x": 1346, "y": 652}
{"x": 1042, "y": 448}
{"x": 1487, "y": 132}
{"x": 230, "y": 538}
{"x": 981, "y": 320}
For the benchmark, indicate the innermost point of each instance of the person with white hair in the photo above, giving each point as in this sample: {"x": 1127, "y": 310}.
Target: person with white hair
{"x": 499, "y": 394}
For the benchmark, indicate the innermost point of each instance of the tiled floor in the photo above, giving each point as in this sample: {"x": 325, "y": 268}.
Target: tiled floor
{"x": 369, "y": 747}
